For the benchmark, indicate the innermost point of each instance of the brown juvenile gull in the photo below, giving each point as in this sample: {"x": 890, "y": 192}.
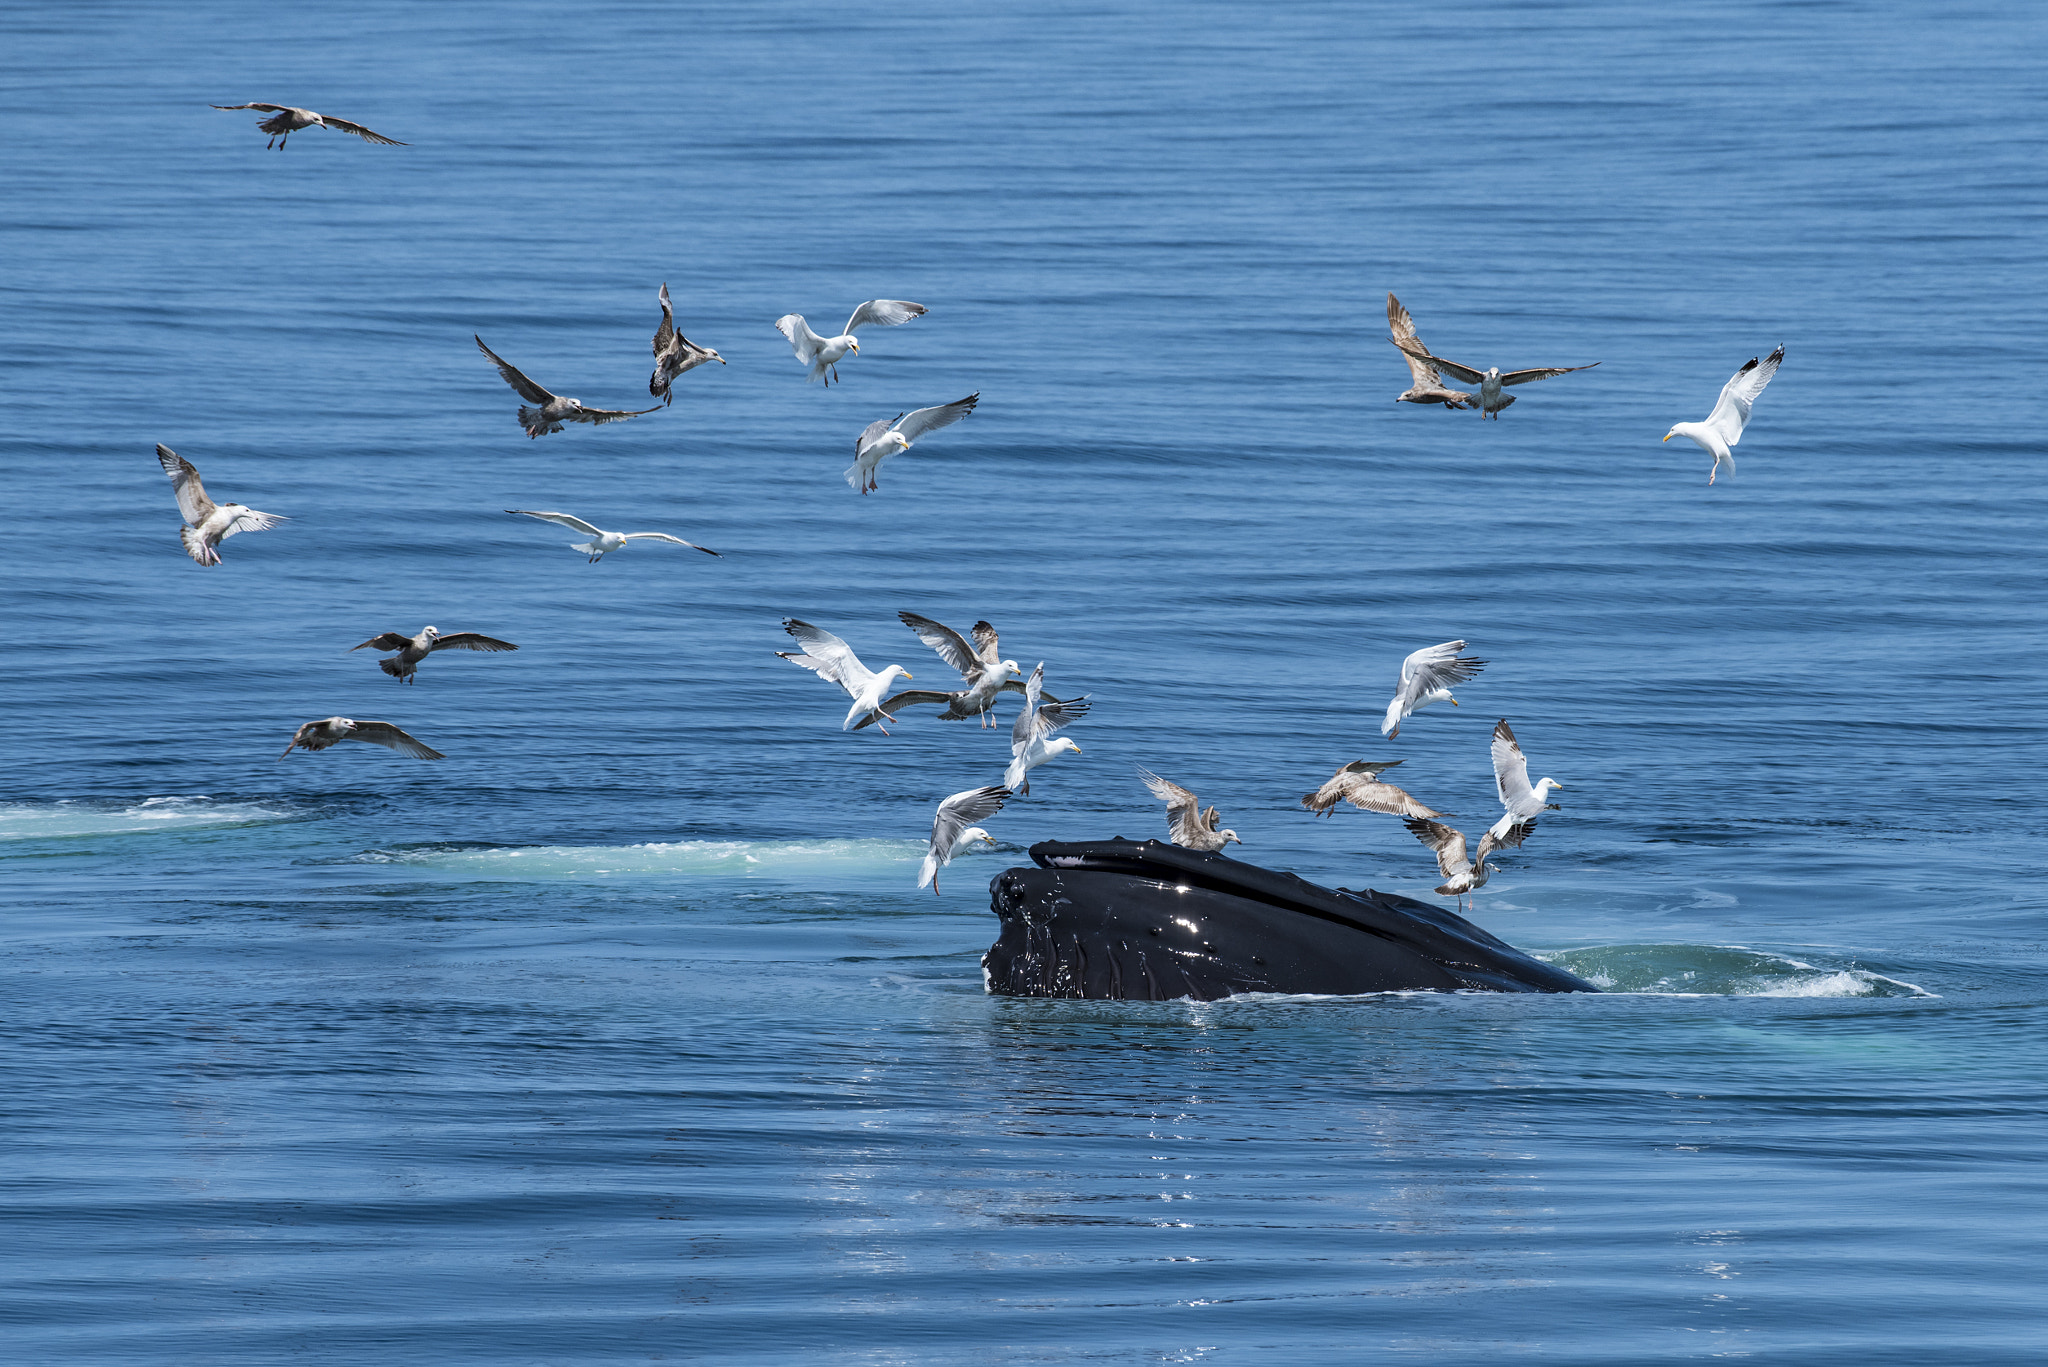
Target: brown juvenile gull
{"x": 1461, "y": 875}
{"x": 832, "y": 660}
{"x": 412, "y": 649}
{"x": 1359, "y": 784}
{"x": 1429, "y": 386}
{"x": 1491, "y": 380}
{"x": 822, "y": 354}
{"x": 210, "y": 523}
{"x": 602, "y": 542}
{"x": 950, "y": 828}
{"x": 884, "y": 437}
{"x": 290, "y": 120}
{"x": 554, "y": 410}
{"x": 1426, "y": 677}
{"x": 673, "y": 352}
{"x": 1718, "y": 435}
{"x": 318, "y": 735}
{"x": 1187, "y": 824}
{"x": 1511, "y": 778}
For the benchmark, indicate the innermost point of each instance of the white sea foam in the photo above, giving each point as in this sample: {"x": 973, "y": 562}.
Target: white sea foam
{"x": 801, "y": 860}
{"x": 72, "y": 818}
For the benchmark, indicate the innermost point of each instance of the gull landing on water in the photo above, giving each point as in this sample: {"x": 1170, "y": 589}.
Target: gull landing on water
{"x": 1187, "y": 825}
{"x": 1426, "y": 677}
{"x": 602, "y": 542}
{"x": 882, "y": 438}
{"x": 412, "y": 649}
{"x": 290, "y": 121}
{"x": 833, "y": 660}
{"x": 950, "y": 829}
{"x": 554, "y": 409}
{"x": 210, "y": 523}
{"x": 1491, "y": 380}
{"x": 1428, "y": 386}
{"x": 1722, "y": 430}
{"x": 1359, "y": 784}
{"x": 673, "y": 352}
{"x": 318, "y": 735}
{"x": 822, "y": 354}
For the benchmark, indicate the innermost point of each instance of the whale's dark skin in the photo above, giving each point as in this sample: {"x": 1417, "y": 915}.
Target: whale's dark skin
{"x": 1144, "y": 921}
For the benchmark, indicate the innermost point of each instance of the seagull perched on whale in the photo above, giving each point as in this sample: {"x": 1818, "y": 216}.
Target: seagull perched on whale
{"x": 822, "y": 354}
{"x": 1426, "y": 677}
{"x": 1359, "y": 783}
{"x": 833, "y": 660}
{"x": 673, "y": 352}
{"x": 1428, "y": 386}
{"x": 1490, "y": 380}
{"x": 882, "y": 437}
{"x": 1718, "y": 435}
{"x": 318, "y": 735}
{"x": 290, "y": 120}
{"x": 554, "y": 409}
{"x": 412, "y": 649}
{"x": 602, "y": 542}
{"x": 208, "y": 523}
{"x": 1187, "y": 825}
{"x": 950, "y": 828}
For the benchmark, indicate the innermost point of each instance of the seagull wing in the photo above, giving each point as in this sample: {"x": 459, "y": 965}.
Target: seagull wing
{"x": 266, "y": 108}
{"x": 886, "y": 313}
{"x": 1448, "y": 844}
{"x": 527, "y": 389}
{"x": 664, "y": 536}
{"x": 1417, "y": 352}
{"x": 461, "y": 640}
{"x": 357, "y": 130}
{"x": 1434, "y": 667}
{"x": 191, "y": 494}
{"x": 873, "y": 433}
{"x": 390, "y": 640}
{"x": 895, "y": 702}
{"x": 1026, "y": 724}
{"x": 249, "y": 520}
{"x": 574, "y": 524}
{"x": 1403, "y": 328}
{"x": 1731, "y": 411}
{"x": 986, "y": 643}
{"x": 666, "y": 333}
{"x": 1540, "y": 373}
{"x": 1516, "y": 834}
{"x": 831, "y": 657}
{"x": 1510, "y": 767}
{"x": 942, "y": 638}
{"x": 1183, "y": 809}
{"x": 1053, "y": 716}
{"x": 962, "y": 810}
{"x": 391, "y": 738}
{"x": 917, "y": 422}
{"x": 1368, "y": 795}
{"x": 804, "y": 342}
{"x": 599, "y": 416}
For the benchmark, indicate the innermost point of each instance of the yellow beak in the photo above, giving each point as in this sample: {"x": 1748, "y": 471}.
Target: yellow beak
{"x": 1077, "y": 749}
{"x": 908, "y": 675}
{"x": 1667, "y": 436}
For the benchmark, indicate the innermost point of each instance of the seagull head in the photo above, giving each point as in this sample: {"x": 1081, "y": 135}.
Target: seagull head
{"x": 1009, "y": 669}
{"x": 431, "y": 632}
{"x": 1672, "y": 433}
{"x": 715, "y": 356}
{"x": 902, "y": 442}
{"x": 1229, "y": 835}
{"x": 976, "y": 833}
{"x": 852, "y": 345}
{"x": 1062, "y": 744}
{"x": 1544, "y": 786}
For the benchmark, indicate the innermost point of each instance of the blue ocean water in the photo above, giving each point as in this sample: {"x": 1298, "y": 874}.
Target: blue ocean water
{"x": 622, "y": 1034}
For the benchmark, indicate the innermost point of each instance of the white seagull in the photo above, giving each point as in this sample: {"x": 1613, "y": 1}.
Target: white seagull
{"x": 1029, "y": 747}
{"x": 1461, "y": 875}
{"x": 1187, "y": 825}
{"x": 822, "y": 354}
{"x": 318, "y": 735}
{"x": 554, "y": 409}
{"x": 290, "y": 121}
{"x": 602, "y": 542}
{"x": 1426, "y": 677}
{"x": 885, "y": 438}
{"x": 1511, "y": 777}
{"x": 412, "y": 649}
{"x": 950, "y": 829}
{"x": 1490, "y": 380}
{"x": 1359, "y": 783}
{"x": 982, "y": 668}
{"x": 834, "y": 661}
{"x": 673, "y": 352}
{"x": 209, "y": 523}
{"x": 1722, "y": 430}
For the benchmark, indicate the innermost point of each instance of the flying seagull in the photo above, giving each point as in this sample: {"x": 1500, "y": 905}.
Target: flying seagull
{"x": 1426, "y": 677}
{"x": 1722, "y": 430}
{"x": 289, "y": 121}
{"x": 412, "y": 649}
{"x": 834, "y": 661}
{"x": 1359, "y": 784}
{"x": 1491, "y": 380}
{"x": 1186, "y": 823}
{"x": 950, "y": 829}
{"x": 673, "y": 352}
{"x": 1461, "y": 875}
{"x": 1428, "y": 386}
{"x": 554, "y": 409}
{"x": 602, "y": 542}
{"x": 822, "y": 354}
{"x": 318, "y": 735}
{"x": 1511, "y": 777}
{"x": 1029, "y": 747}
{"x": 982, "y": 667}
{"x": 885, "y": 438}
{"x": 208, "y": 523}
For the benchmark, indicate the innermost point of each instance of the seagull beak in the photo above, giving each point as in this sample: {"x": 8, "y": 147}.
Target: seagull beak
{"x": 1452, "y": 701}
{"x": 1077, "y": 749}
{"x": 908, "y": 675}
{"x": 1667, "y": 436}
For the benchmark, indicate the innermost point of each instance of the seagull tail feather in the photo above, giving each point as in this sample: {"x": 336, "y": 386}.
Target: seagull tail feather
{"x": 196, "y": 547}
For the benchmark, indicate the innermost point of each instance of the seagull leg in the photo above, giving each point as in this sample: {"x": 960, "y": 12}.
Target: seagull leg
{"x": 935, "y": 885}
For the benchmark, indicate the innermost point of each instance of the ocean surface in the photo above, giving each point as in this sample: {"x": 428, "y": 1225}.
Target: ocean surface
{"x": 623, "y": 1034}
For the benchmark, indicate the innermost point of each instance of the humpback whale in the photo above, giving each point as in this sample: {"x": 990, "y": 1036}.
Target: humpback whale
{"x": 1146, "y": 921}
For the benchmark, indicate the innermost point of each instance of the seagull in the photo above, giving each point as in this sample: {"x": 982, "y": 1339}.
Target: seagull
{"x": 822, "y": 354}
{"x": 1511, "y": 778}
{"x": 1359, "y": 784}
{"x": 1722, "y": 430}
{"x": 1461, "y": 875}
{"x": 412, "y": 649}
{"x": 318, "y": 735}
{"x": 950, "y": 829}
{"x": 602, "y": 542}
{"x": 885, "y": 438}
{"x": 834, "y": 661}
{"x": 1429, "y": 386}
{"x": 1186, "y": 823}
{"x": 1490, "y": 381}
{"x": 290, "y": 121}
{"x": 1028, "y": 745}
{"x": 1426, "y": 677}
{"x": 554, "y": 410}
{"x": 673, "y": 352}
{"x": 982, "y": 667}
{"x": 209, "y": 523}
